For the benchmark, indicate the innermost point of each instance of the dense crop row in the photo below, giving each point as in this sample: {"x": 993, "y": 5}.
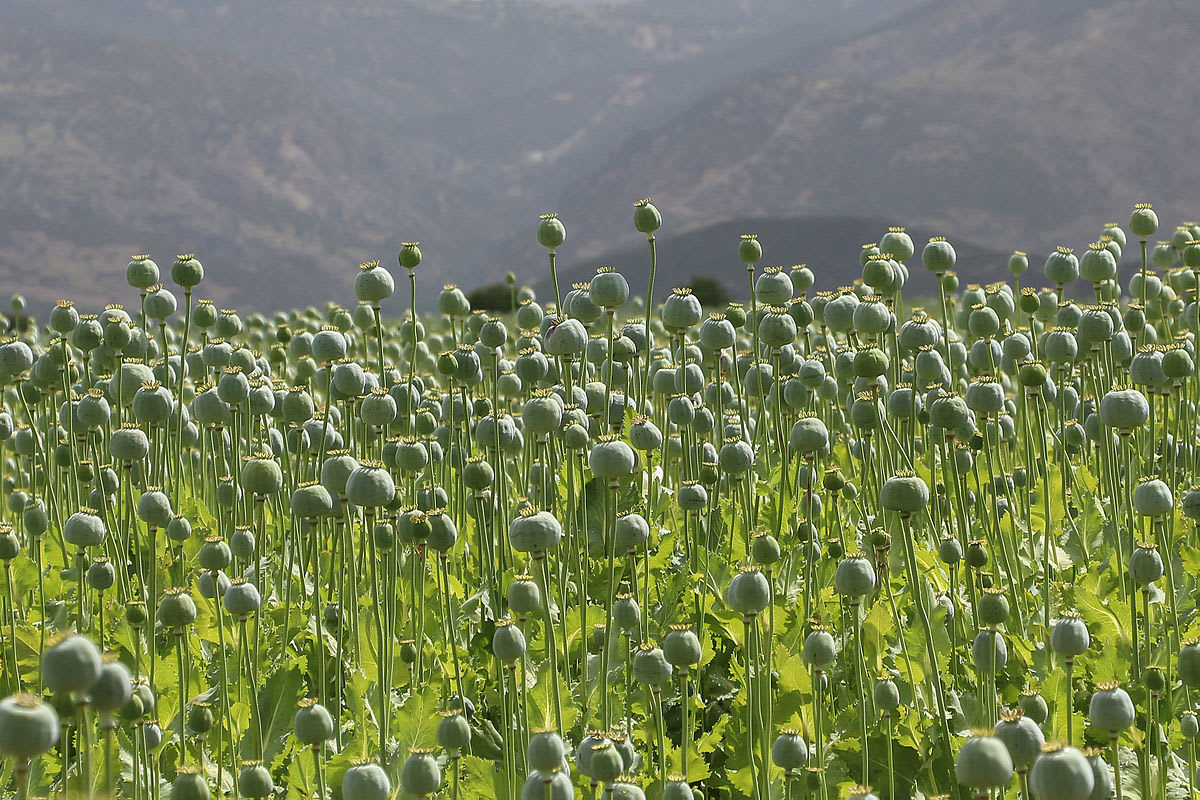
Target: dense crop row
{"x": 808, "y": 545}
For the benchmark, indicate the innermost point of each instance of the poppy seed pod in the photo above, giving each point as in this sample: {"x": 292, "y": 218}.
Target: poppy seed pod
{"x": 410, "y": 255}
{"x": 681, "y": 310}
{"x": 534, "y": 532}
{"x": 28, "y": 727}
{"x": 1111, "y": 708}
{"x": 454, "y": 731}
{"x": 1124, "y": 409}
{"x": 187, "y": 271}
{"x": 85, "y": 529}
{"x": 1145, "y": 564}
{"x": 550, "y": 231}
{"x": 749, "y": 592}
{"x": 681, "y": 647}
{"x": 373, "y": 283}
{"x": 905, "y": 494}
{"x": 508, "y": 642}
{"x": 1097, "y": 264}
{"x": 254, "y": 780}
{"x": 370, "y": 485}
{"x": 855, "y": 576}
{"x": 897, "y": 243}
{"x": 189, "y": 784}
{"x": 819, "y": 649}
{"x": 1152, "y": 498}
{"x": 983, "y": 762}
{"x": 993, "y": 607}
{"x": 609, "y": 289}
{"x": 1061, "y": 266}
{"x": 886, "y": 694}
{"x": 113, "y": 686}
{"x": 312, "y": 724}
{"x": 546, "y": 751}
{"x": 611, "y": 458}
{"x": 141, "y": 273}
{"x": 70, "y": 664}
{"x": 241, "y": 598}
{"x": 749, "y": 249}
{"x": 989, "y": 651}
{"x": 651, "y": 667}
{"x": 366, "y": 781}
{"x": 177, "y": 609}
{"x": 773, "y": 287}
{"x": 1021, "y": 736}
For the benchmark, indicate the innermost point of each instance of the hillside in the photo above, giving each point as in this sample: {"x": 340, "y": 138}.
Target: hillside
{"x": 283, "y": 141}
{"x": 1013, "y": 124}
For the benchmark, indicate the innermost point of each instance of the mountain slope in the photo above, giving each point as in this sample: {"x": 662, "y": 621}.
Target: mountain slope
{"x": 1015, "y": 124}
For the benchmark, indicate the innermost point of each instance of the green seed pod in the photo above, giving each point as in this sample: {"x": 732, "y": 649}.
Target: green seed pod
{"x": 187, "y": 271}
{"x": 1061, "y": 266}
{"x": 989, "y": 651}
{"x": 200, "y": 717}
{"x": 534, "y": 532}
{"x": 611, "y": 458}
{"x": 177, "y": 609}
{"x": 28, "y": 727}
{"x": 524, "y": 596}
{"x": 366, "y": 781}
{"x": 1152, "y": 498}
{"x": 373, "y": 283}
{"x": 453, "y": 731}
{"x": 70, "y": 664}
{"x": 855, "y": 576}
{"x": 1124, "y": 409}
{"x": 646, "y": 218}
{"x": 681, "y": 647}
{"x": 113, "y": 686}
{"x": 312, "y": 724}
{"x": 84, "y": 529}
{"x": 609, "y": 289}
{"x": 983, "y": 762}
{"x": 993, "y": 607}
{"x": 546, "y": 751}
{"x": 764, "y": 549}
{"x": 676, "y": 788}
{"x": 819, "y": 649}
{"x": 749, "y": 592}
{"x": 1143, "y": 222}
{"x": 773, "y": 287}
{"x": 651, "y": 667}
{"x": 905, "y": 494}
{"x": 254, "y": 780}
{"x": 410, "y": 255}
{"x": 681, "y": 310}
{"x": 1034, "y": 706}
{"x": 241, "y": 598}
{"x": 749, "y": 250}
{"x": 1062, "y": 772}
{"x": 370, "y": 485}
{"x": 189, "y": 784}
{"x": 550, "y": 232}
{"x": 692, "y": 496}
{"x": 508, "y": 642}
{"x": 1021, "y": 736}
{"x": 1097, "y": 264}
{"x": 141, "y": 273}
{"x": 1111, "y": 708}
{"x": 886, "y": 694}
{"x": 1188, "y": 725}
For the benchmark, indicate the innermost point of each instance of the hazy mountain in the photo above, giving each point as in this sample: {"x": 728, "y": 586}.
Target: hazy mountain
{"x": 285, "y": 141}
{"x": 1011, "y": 124}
